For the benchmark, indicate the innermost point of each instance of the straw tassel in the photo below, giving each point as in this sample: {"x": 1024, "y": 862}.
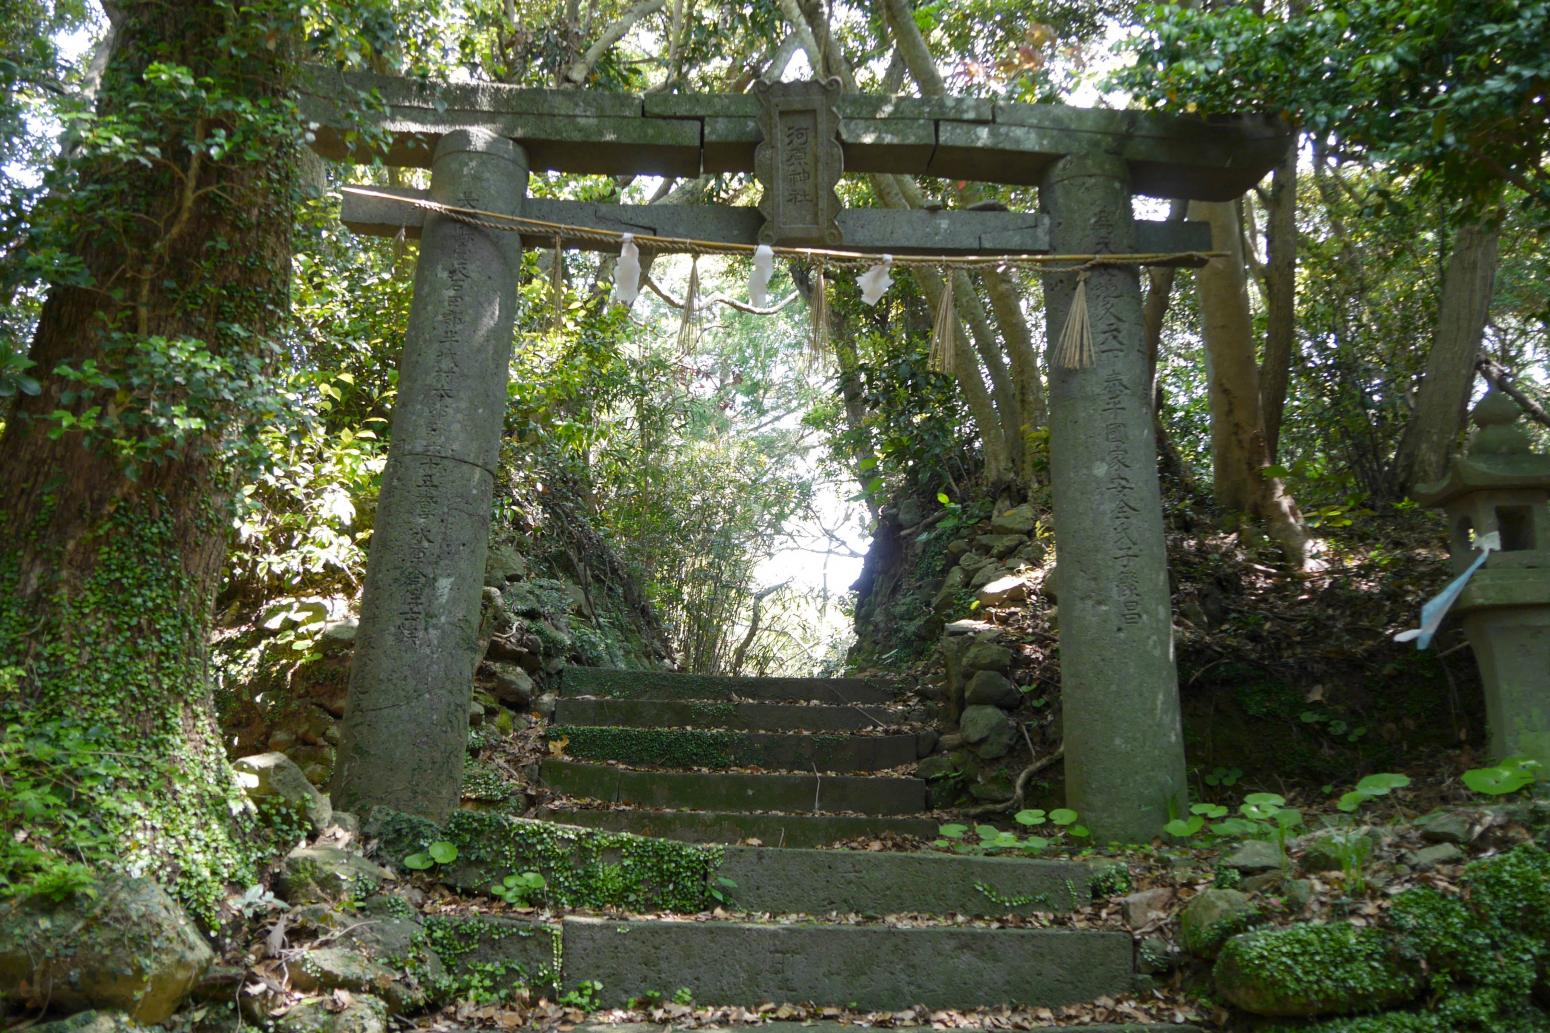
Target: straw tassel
{"x": 1075, "y": 348}
{"x": 818, "y": 344}
{"x": 557, "y": 285}
{"x": 944, "y": 330}
{"x": 688, "y": 330}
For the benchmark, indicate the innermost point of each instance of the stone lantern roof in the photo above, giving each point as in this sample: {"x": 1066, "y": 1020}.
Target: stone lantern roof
{"x": 1500, "y": 457}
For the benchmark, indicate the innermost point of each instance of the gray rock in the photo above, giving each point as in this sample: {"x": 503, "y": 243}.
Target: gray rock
{"x": 957, "y": 547}
{"x": 951, "y": 586}
{"x": 340, "y": 968}
{"x": 1263, "y": 881}
{"x": 337, "y": 635}
{"x": 1298, "y": 893}
{"x": 911, "y": 512}
{"x": 323, "y": 874}
{"x": 1017, "y": 520}
{"x": 1254, "y": 856}
{"x": 969, "y": 626}
{"x": 986, "y": 656}
{"x": 1001, "y": 545}
{"x": 1049, "y": 588}
{"x": 276, "y": 779}
{"x": 512, "y": 685}
{"x": 1447, "y": 827}
{"x": 936, "y": 766}
{"x": 1212, "y": 918}
{"x": 1155, "y": 956}
{"x": 130, "y": 948}
{"x": 364, "y": 1014}
{"x": 1432, "y": 856}
{"x": 972, "y": 561}
{"x": 502, "y": 564}
{"x": 546, "y": 703}
{"x": 1331, "y": 851}
{"x": 988, "y": 731}
{"x": 1008, "y": 588}
{"x": 1145, "y": 907}
{"x": 989, "y": 688}
{"x": 990, "y": 572}
{"x": 1314, "y": 969}
{"x": 90, "y": 1022}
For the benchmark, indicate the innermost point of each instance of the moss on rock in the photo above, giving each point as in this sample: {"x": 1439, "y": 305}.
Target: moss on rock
{"x": 1315, "y": 969}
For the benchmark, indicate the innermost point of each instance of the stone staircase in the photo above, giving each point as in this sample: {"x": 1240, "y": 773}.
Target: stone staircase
{"x": 643, "y": 752}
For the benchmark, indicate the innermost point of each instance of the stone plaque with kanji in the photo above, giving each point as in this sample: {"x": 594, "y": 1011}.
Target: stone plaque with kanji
{"x": 799, "y": 163}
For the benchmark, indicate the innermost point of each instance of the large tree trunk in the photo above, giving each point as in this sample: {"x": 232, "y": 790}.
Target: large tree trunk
{"x": 1433, "y": 431}
{"x": 1281, "y": 290}
{"x": 117, "y": 479}
{"x": 1238, "y": 453}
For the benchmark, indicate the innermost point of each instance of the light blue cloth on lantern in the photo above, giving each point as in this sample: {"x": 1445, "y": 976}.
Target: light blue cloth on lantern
{"x": 1436, "y": 608}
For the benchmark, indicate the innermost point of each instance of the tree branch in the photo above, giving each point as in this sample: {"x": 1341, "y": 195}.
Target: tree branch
{"x": 582, "y": 67}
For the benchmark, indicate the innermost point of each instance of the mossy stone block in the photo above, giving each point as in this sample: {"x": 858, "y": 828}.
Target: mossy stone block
{"x": 1316, "y": 969}
{"x": 1214, "y": 916}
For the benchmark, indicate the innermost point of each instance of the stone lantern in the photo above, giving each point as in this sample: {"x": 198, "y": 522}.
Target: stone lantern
{"x": 1501, "y": 485}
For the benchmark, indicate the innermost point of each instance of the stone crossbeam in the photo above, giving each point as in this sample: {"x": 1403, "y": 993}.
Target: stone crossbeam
{"x": 867, "y": 230}
{"x": 691, "y": 134}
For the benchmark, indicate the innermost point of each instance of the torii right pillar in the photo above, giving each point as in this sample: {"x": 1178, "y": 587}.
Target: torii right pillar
{"x": 1124, "y": 744}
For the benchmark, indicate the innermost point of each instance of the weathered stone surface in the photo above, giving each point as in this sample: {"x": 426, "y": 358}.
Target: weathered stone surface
{"x": 417, "y": 644}
{"x": 510, "y": 952}
{"x": 364, "y": 1014}
{"x": 786, "y": 881}
{"x": 275, "y": 778}
{"x": 1145, "y": 907}
{"x": 1212, "y": 917}
{"x": 1430, "y": 857}
{"x": 1329, "y": 851}
{"x": 753, "y": 717}
{"x": 1307, "y": 970}
{"x": 1447, "y": 827}
{"x": 1255, "y": 855}
{"x": 1001, "y": 545}
{"x": 772, "y": 751}
{"x": 726, "y": 791}
{"x": 673, "y": 685}
{"x": 987, "y": 656}
{"x": 1009, "y": 588}
{"x": 988, "y": 730}
{"x": 1019, "y": 520}
{"x": 992, "y": 571}
{"x": 1123, "y": 735}
{"x": 511, "y": 684}
{"x": 90, "y": 1022}
{"x": 323, "y": 874}
{"x": 789, "y": 830}
{"x": 130, "y": 948}
{"x": 339, "y": 968}
{"x": 990, "y": 688}
{"x": 868, "y": 966}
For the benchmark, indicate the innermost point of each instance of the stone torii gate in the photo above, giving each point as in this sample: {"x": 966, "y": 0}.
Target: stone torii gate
{"x": 416, "y": 644}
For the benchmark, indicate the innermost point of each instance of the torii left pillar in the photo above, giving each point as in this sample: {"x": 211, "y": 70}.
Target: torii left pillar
{"x": 406, "y": 720}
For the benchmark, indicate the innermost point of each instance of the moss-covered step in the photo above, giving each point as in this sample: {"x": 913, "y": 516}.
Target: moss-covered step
{"x": 876, "y": 883}
{"x": 747, "y": 717}
{"x": 720, "y": 748}
{"x": 776, "y": 830}
{"x": 865, "y": 966}
{"x": 725, "y": 791}
{"x": 492, "y": 954}
{"x": 665, "y": 685}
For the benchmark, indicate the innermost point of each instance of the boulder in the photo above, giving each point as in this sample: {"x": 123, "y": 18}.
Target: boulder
{"x": 1145, "y": 907}
{"x": 986, "y": 656}
{"x": 511, "y": 685}
{"x": 338, "y": 635}
{"x": 1430, "y": 857}
{"x": 130, "y": 948}
{"x": 989, "y": 688}
{"x": 1009, "y": 588}
{"x": 1255, "y": 856}
{"x": 1001, "y": 545}
{"x": 990, "y": 572}
{"x": 1212, "y": 917}
{"x": 1447, "y": 827}
{"x": 325, "y": 874}
{"x": 1017, "y": 520}
{"x": 275, "y": 779}
{"x": 1315, "y": 969}
{"x": 358, "y": 1014}
{"x": 339, "y": 968}
{"x": 988, "y": 731}
{"x": 1048, "y": 587}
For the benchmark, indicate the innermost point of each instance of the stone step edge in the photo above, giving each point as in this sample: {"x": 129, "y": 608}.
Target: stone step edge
{"x": 830, "y": 1026}
{"x": 866, "y": 794}
{"x": 864, "y": 967}
{"x": 677, "y": 749}
{"x": 696, "y": 826}
{"x": 598, "y": 681}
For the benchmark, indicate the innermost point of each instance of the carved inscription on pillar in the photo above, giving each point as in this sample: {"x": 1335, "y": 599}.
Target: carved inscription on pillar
{"x": 799, "y": 163}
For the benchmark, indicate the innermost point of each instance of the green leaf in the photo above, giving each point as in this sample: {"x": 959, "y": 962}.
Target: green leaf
{"x": 1029, "y": 817}
{"x": 418, "y": 862}
{"x": 941, "y": 497}
{"x": 1381, "y": 783}
{"x": 442, "y": 852}
{"x": 953, "y": 831}
{"x": 1063, "y": 816}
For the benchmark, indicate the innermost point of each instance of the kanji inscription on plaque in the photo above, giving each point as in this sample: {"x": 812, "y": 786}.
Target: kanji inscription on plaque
{"x": 799, "y": 162}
